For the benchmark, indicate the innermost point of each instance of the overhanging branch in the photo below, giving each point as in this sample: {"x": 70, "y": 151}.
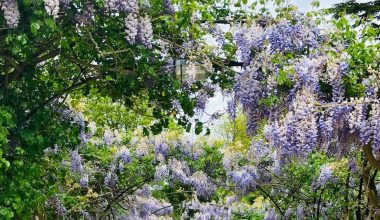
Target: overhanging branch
{"x": 52, "y": 98}
{"x": 367, "y": 149}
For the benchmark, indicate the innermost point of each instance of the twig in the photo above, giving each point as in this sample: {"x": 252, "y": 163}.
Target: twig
{"x": 161, "y": 209}
{"x": 55, "y": 96}
{"x": 273, "y": 201}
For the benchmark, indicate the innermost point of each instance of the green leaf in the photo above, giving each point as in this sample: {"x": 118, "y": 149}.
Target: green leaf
{"x": 198, "y": 128}
{"x": 6, "y": 213}
{"x": 315, "y": 3}
{"x": 50, "y": 23}
{"x": 34, "y": 27}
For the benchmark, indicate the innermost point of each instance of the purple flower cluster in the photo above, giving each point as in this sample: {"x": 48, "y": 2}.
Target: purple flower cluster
{"x": 271, "y": 215}
{"x": 207, "y": 210}
{"x": 231, "y": 109}
{"x": 249, "y": 92}
{"x": 86, "y": 16}
{"x": 76, "y": 162}
{"x": 297, "y": 132}
{"x": 374, "y": 124}
{"x": 300, "y": 212}
{"x": 84, "y": 180}
{"x": 11, "y": 12}
{"x": 203, "y": 186}
{"x": 336, "y": 73}
{"x": 111, "y": 179}
{"x": 68, "y": 114}
{"x": 52, "y": 7}
{"x": 56, "y": 203}
{"x": 308, "y": 73}
{"x": 286, "y": 36}
{"x": 161, "y": 148}
{"x": 325, "y": 176}
{"x": 145, "y": 31}
{"x": 143, "y": 206}
{"x": 108, "y": 137}
{"x": 288, "y": 213}
{"x": 129, "y": 6}
{"x": 245, "y": 179}
{"x": 249, "y": 38}
{"x": 201, "y": 101}
{"x": 180, "y": 171}
{"x": 123, "y": 155}
{"x": 131, "y": 28}
{"x": 161, "y": 172}
{"x": 168, "y": 7}
{"x": 169, "y": 66}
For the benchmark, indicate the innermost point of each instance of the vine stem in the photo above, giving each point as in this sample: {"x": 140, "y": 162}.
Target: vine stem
{"x": 271, "y": 199}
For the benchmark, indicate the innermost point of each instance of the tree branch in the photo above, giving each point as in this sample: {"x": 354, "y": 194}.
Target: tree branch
{"x": 367, "y": 149}
{"x": 52, "y": 98}
{"x": 271, "y": 199}
{"x": 50, "y": 55}
{"x": 161, "y": 209}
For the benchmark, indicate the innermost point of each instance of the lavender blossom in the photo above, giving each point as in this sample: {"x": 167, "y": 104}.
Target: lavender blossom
{"x": 325, "y": 175}
{"x": 60, "y": 209}
{"x": 231, "y": 109}
{"x": 52, "y": 7}
{"x": 169, "y": 66}
{"x": 249, "y": 38}
{"x": 300, "y": 212}
{"x": 202, "y": 184}
{"x": 108, "y": 137}
{"x": 168, "y": 7}
{"x": 288, "y": 213}
{"x": 271, "y": 215}
{"x": 201, "y": 101}
{"x": 161, "y": 172}
{"x": 118, "y": 138}
{"x": 11, "y": 12}
{"x": 111, "y": 179}
{"x": 84, "y": 180}
{"x": 161, "y": 147}
{"x": 145, "y": 31}
{"x": 124, "y": 155}
{"x": 76, "y": 162}
{"x": 86, "y": 16}
{"x": 131, "y": 28}
{"x": 244, "y": 179}
{"x": 180, "y": 171}
{"x": 130, "y": 6}
{"x": 375, "y": 127}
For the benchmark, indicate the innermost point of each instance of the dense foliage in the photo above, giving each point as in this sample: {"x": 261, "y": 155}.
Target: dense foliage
{"x": 94, "y": 120}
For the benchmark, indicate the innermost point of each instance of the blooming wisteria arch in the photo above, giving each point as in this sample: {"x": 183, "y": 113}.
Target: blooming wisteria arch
{"x": 297, "y": 86}
{"x": 303, "y": 89}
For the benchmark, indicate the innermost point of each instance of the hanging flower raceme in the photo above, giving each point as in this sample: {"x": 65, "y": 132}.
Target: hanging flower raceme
{"x": 168, "y": 7}
{"x": 325, "y": 175}
{"x": 202, "y": 184}
{"x": 130, "y": 6}
{"x": 11, "y": 12}
{"x": 123, "y": 156}
{"x": 162, "y": 172}
{"x": 76, "y": 162}
{"x": 131, "y": 28}
{"x": 245, "y": 179}
{"x": 145, "y": 31}
{"x": 52, "y": 7}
